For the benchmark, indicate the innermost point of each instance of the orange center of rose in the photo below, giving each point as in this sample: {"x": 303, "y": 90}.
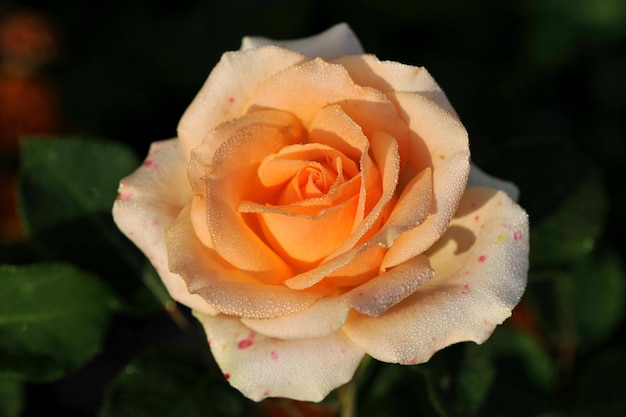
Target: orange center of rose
{"x": 318, "y": 192}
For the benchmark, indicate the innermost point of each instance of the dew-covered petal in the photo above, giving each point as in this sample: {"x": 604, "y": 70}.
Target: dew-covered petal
{"x": 227, "y": 288}
{"x": 148, "y": 201}
{"x": 202, "y": 159}
{"x": 226, "y": 91}
{"x": 440, "y": 141}
{"x": 321, "y": 319}
{"x": 333, "y": 127}
{"x": 379, "y": 294}
{"x": 230, "y": 176}
{"x": 334, "y": 42}
{"x": 385, "y": 154}
{"x": 479, "y": 178}
{"x": 306, "y": 88}
{"x": 301, "y": 239}
{"x": 328, "y": 314}
{"x": 261, "y": 367}
{"x": 410, "y": 211}
{"x": 480, "y": 269}
{"x": 367, "y": 70}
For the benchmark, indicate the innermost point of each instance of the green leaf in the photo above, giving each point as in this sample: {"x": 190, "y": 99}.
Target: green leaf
{"x": 571, "y": 231}
{"x": 582, "y": 305}
{"x": 53, "y": 319}
{"x": 11, "y": 396}
{"x": 79, "y": 176}
{"x": 166, "y": 383}
{"x": 592, "y": 298}
{"x": 67, "y": 189}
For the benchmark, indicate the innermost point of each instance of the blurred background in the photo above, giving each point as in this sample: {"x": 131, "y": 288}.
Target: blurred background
{"x": 540, "y": 85}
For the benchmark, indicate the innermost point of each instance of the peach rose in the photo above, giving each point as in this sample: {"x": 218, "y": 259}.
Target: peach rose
{"x": 315, "y": 208}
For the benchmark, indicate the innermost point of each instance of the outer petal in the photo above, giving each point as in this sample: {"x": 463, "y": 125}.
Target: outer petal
{"x": 226, "y": 91}
{"x": 306, "y": 88}
{"x": 337, "y": 41}
{"x": 385, "y": 76}
{"x": 480, "y": 273}
{"x": 328, "y": 314}
{"x": 440, "y": 141}
{"x": 260, "y": 366}
{"x": 479, "y": 178}
{"x": 149, "y": 200}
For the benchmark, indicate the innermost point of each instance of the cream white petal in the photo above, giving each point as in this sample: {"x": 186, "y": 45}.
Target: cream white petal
{"x": 261, "y": 366}
{"x": 328, "y": 314}
{"x": 149, "y": 200}
{"x": 339, "y": 40}
{"x": 479, "y": 178}
{"x": 225, "y": 93}
{"x": 367, "y": 70}
{"x": 480, "y": 269}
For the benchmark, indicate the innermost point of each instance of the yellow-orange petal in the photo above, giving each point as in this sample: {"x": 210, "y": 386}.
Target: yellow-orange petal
{"x": 227, "y": 176}
{"x": 333, "y": 127}
{"x": 202, "y": 159}
{"x": 224, "y": 286}
{"x": 302, "y": 239}
{"x": 385, "y": 154}
{"x": 412, "y": 208}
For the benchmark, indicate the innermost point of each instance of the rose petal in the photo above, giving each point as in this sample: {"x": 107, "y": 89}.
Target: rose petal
{"x": 478, "y": 177}
{"x": 364, "y": 266}
{"x": 306, "y": 88}
{"x": 328, "y": 314}
{"x": 280, "y": 168}
{"x": 337, "y": 41}
{"x": 202, "y": 159}
{"x": 260, "y": 367}
{"x": 321, "y": 319}
{"x": 389, "y": 288}
{"x": 480, "y": 269}
{"x": 148, "y": 201}
{"x": 440, "y": 141}
{"x": 230, "y": 176}
{"x": 334, "y": 128}
{"x": 367, "y": 70}
{"x": 413, "y": 207}
{"x": 227, "y": 89}
{"x": 227, "y": 288}
{"x": 290, "y": 234}
{"x": 385, "y": 152}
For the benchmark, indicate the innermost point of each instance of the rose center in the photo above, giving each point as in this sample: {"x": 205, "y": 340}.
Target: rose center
{"x": 313, "y": 181}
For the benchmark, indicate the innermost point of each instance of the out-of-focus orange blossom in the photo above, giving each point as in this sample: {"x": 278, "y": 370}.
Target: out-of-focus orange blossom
{"x": 28, "y": 100}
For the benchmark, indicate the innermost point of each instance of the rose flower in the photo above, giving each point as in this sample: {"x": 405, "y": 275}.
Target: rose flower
{"x": 318, "y": 205}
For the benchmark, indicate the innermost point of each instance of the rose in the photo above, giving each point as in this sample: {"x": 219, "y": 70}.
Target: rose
{"x": 316, "y": 207}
